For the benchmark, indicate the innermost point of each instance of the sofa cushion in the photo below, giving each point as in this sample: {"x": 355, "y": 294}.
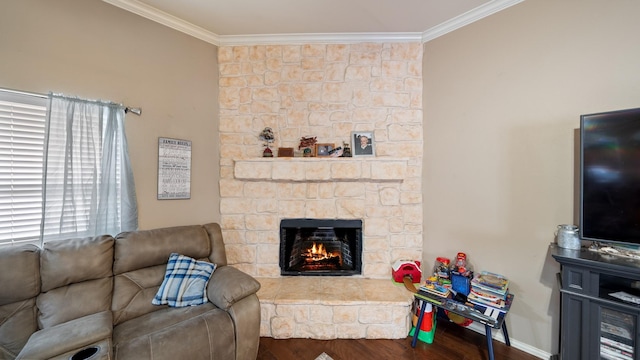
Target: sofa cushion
{"x": 77, "y": 279}
{"x": 17, "y": 323}
{"x": 19, "y": 286}
{"x": 71, "y": 261}
{"x": 140, "y": 249}
{"x": 185, "y": 282}
{"x": 202, "y": 332}
{"x": 133, "y": 292}
{"x": 19, "y": 273}
{"x": 74, "y": 301}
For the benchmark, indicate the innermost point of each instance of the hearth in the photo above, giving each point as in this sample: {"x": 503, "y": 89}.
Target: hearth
{"x": 320, "y": 247}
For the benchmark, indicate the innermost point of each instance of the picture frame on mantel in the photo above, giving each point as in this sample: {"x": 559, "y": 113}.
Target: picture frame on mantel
{"x": 362, "y": 143}
{"x": 323, "y": 150}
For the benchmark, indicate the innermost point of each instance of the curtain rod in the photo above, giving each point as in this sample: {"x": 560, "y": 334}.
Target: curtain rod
{"x": 127, "y": 109}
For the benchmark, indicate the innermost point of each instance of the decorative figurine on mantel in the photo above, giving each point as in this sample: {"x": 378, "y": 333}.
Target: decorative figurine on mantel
{"x": 267, "y": 136}
{"x": 347, "y": 150}
{"x": 307, "y": 143}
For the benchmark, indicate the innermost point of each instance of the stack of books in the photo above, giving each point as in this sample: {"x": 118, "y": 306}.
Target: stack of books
{"x": 432, "y": 286}
{"x": 489, "y": 289}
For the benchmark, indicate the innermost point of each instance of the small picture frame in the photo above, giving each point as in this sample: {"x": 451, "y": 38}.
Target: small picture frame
{"x": 285, "y": 152}
{"x": 362, "y": 143}
{"x": 323, "y": 150}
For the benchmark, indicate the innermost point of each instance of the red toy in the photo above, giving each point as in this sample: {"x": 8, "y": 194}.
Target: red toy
{"x": 402, "y": 268}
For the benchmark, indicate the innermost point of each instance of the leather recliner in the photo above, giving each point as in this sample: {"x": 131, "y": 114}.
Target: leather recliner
{"x": 91, "y": 298}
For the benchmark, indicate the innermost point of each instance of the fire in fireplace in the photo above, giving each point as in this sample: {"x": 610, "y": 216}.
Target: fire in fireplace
{"x": 320, "y": 247}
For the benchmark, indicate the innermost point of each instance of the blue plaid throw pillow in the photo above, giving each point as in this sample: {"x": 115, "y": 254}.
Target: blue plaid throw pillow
{"x": 185, "y": 282}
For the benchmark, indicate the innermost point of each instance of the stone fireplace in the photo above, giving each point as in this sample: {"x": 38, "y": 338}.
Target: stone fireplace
{"x": 322, "y": 247}
{"x": 324, "y": 91}
{"x": 368, "y": 305}
{"x": 375, "y": 190}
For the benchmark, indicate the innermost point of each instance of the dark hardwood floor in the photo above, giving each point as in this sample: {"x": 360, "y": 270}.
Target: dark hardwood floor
{"x": 451, "y": 342}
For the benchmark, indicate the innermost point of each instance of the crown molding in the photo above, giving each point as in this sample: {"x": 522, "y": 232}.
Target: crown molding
{"x": 310, "y": 38}
{"x": 467, "y": 18}
{"x": 176, "y": 23}
{"x": 165, "y": 19}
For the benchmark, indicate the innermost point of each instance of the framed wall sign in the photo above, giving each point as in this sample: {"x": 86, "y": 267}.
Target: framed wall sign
{"x": 174, "y": 169}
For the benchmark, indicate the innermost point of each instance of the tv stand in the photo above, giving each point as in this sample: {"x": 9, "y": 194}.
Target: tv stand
{"x": 600, "y": 314}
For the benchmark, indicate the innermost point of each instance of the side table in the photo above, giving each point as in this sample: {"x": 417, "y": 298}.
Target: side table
{"x": 491, "y": 318}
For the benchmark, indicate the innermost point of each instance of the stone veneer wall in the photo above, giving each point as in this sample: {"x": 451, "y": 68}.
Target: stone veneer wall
{"x": 327, "y": 91}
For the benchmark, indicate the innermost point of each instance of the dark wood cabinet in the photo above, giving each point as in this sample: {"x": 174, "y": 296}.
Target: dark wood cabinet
{"x": 595, "y": 322}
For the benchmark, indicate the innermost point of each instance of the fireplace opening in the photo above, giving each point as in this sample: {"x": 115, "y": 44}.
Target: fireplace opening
{"x": 320, "y": 247}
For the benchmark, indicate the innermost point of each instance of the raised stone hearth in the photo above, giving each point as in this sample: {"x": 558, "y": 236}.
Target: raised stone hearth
{"x": 333, "y": 308}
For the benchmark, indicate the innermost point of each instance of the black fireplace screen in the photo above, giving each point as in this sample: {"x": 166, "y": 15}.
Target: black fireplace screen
{"x": 320, "y": 247}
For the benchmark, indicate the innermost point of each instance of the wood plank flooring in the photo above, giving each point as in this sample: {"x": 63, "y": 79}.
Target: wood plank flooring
{"x": 451, "y": 342}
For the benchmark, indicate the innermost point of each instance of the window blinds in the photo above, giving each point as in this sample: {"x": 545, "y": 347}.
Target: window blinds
{"x": 22, "y": 130}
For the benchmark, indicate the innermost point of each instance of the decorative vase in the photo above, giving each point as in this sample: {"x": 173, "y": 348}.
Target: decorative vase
{"x": 568, "y": 237}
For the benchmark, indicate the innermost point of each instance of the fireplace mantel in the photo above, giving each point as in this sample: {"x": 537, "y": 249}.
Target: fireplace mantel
{"x": 321, "y": 169}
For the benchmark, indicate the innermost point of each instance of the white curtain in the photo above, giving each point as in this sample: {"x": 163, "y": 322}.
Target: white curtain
{"x": 88, "y": 184}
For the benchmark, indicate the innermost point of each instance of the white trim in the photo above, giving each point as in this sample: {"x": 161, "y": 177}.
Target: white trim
{"x": 168, "y": 20}
{"x": 467, "y": 18}
{"x": 173, "y": 22}
{"x": 497, "y": 335}
{"x": 307, "y": 38}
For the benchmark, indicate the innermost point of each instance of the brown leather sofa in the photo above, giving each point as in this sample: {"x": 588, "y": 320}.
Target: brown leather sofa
{"x": 91, "y": 299}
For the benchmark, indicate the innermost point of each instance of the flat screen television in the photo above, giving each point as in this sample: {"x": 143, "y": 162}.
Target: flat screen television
{"x": 610, "y": 176}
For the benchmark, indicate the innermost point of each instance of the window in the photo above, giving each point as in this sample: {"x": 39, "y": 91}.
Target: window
{"x": 64, "y": 169}
{"x": 22, "y": 131}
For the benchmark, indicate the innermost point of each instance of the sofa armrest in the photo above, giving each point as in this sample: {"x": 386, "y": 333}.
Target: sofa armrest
{"x": 229, "y": 285}
{"x": 68, "y": 336}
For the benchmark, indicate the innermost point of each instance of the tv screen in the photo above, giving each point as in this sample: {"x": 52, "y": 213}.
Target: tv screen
{"x": 610, "y": 176}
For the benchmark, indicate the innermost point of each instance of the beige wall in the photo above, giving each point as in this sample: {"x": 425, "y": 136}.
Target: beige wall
{"x": 94, "y": 50}
{"x": 501, "y": 99}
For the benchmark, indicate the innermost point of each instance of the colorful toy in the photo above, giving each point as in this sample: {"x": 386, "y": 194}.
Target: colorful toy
{"x": 441, "y": 267}
{"x": 402, "y": 268}
{"x": 461, "y": 262}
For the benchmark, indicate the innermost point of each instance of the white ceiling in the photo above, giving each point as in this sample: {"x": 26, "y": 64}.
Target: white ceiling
{"x": 234, "y": 22}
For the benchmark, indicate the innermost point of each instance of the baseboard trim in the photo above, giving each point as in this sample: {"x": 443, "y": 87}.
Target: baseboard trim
{"x": 497, "y": 335}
